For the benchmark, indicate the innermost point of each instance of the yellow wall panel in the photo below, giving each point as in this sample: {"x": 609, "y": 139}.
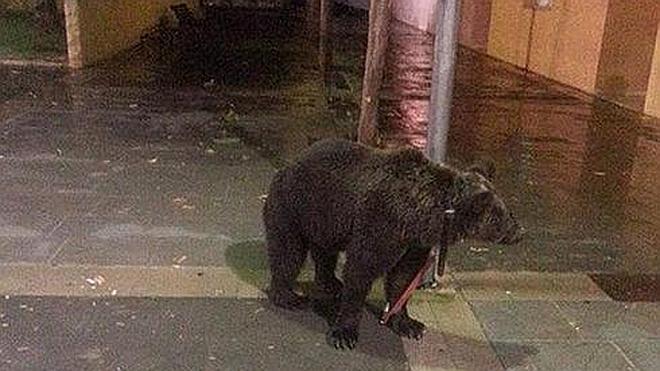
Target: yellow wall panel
{"x": 628, "y": 48}
{"x": 510, "y": 21}
{"x": 97, "y": 29}
{"x": 566, "y": 42}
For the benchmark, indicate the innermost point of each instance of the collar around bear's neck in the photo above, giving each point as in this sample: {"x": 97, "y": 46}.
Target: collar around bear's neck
{"x": 457, "y": 196}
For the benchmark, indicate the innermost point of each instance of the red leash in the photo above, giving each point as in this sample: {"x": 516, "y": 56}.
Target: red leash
{"x": 403, "y": 299}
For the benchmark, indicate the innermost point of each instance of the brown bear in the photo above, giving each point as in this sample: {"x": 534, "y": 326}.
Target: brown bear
{"x": 386, "y": 210}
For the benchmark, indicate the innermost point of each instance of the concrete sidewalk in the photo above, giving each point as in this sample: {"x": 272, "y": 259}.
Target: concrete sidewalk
{"x": 131, "y": 236}
{"x": 127, "y": 244}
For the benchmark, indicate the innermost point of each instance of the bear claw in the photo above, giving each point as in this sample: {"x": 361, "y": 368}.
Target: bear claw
{"x": 342, "y": 337}
{"x": 403, "y": 325}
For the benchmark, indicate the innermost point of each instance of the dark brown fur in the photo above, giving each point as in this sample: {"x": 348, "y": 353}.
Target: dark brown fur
{"x": 386, "y": 210}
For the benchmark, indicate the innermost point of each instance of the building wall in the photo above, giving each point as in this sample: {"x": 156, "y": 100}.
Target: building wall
{"x": 567, "y": 41}
{"x": 628, "y": 49}
{"x": 508, "y": 38}
{"x": 97, "y": 29}
{"x": 474, "y": 27}
{"x": 610, "y": 48}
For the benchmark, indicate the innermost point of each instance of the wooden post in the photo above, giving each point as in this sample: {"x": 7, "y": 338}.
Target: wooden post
{"x": 73, "y": 38}
{"x": 379, "y": 21}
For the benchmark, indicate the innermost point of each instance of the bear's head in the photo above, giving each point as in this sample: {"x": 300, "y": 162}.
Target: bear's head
{"x": 480, "y": 212}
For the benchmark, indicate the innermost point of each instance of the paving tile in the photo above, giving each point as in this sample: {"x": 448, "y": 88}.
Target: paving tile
{"x": 143, "y": 246}
{"x": 123, "y": 281}
{"x": 565, "y": 356}
{"x": 36, "y": 248}
{"x": 180, "y": 334}
{"x": 645, "y": 355}
{"x": 630, "y": 287}
{"x": 238, "y": 218}
{"x": 31, "y": 226}
{"x": 613, "y": 320}
{"x": 40, "y": 212}
{"x": 46, "y": 172}
{"x": 492, "y": 285}
{"x": 522, "y": 320}
{"x": 454, "y": 339}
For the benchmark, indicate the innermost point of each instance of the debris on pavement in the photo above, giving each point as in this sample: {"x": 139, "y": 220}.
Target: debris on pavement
{"x": 226, "y": 141}
{"x": 479, "y": 249}
{"x": 95, "y": 281}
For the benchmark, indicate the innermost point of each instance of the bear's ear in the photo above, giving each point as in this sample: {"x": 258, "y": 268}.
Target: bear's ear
{"x": 485, "y": 169}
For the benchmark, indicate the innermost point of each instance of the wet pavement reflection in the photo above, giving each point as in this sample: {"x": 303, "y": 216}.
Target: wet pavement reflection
{"x": 582, "y": 175}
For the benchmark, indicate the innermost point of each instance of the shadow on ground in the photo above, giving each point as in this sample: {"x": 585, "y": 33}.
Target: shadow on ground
{"x": 439, "y": 349}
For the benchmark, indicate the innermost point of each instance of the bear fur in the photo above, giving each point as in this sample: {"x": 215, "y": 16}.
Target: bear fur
{"x": 386, "y": 210}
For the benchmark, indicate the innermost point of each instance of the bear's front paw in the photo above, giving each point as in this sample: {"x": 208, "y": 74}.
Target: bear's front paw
{"x": 342, "y": 337}
{"x": 403, "y": 325}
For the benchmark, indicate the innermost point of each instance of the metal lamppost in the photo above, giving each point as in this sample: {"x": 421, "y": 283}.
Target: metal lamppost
{"x": 444, "y": 60}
